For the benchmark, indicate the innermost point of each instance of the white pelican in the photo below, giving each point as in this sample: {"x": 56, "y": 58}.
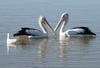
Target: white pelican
{"x": 35, "y": 33}
{"x": 76, "y": 31}
{"x": 10, "y": 40}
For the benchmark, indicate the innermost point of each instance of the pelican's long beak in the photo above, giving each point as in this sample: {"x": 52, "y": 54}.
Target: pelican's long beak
{"x": 45, "y": 23}
{"x": 58, "y": 25}
{"x": 64, "y": 17}
{"x": 48, "y": 25}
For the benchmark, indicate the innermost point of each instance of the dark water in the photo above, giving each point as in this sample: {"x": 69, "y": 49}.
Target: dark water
{"x": 50, "y": 53}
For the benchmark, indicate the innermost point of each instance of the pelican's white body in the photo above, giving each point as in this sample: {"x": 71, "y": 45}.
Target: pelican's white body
{"x": 35, "y": 33}
{"x": 77, "y": 31}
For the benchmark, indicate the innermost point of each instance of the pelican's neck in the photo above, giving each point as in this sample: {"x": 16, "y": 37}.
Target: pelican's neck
{"x": 43, "y": 27}
{"x": 62, "y": 27}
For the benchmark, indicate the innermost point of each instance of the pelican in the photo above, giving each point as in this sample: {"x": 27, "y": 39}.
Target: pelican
{"x": 35, "y": 33}
{"x": 10, "y": 40}
{"x": 76, "y": 31}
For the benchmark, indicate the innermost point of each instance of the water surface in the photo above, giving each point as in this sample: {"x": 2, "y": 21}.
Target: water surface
{"x": 50, "y": 53}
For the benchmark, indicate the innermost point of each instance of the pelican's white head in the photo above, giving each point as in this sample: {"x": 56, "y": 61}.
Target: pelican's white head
{"x": 64, "y": 18}
{"x": 64, "y": 14}
{"x": 41, "y": 18}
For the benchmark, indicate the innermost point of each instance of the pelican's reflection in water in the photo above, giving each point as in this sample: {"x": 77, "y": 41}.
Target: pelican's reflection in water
{"x": 42, "y": 47}
{"x": 10, "y": 45}
{"x": 25, "y": 42}
{"x": 63, "y": 50}
{"x": 62, "y": 47}
{"x": 42, "y": 50}
{"x": 77, "y": 44}
{"x": 81, "y": 40}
